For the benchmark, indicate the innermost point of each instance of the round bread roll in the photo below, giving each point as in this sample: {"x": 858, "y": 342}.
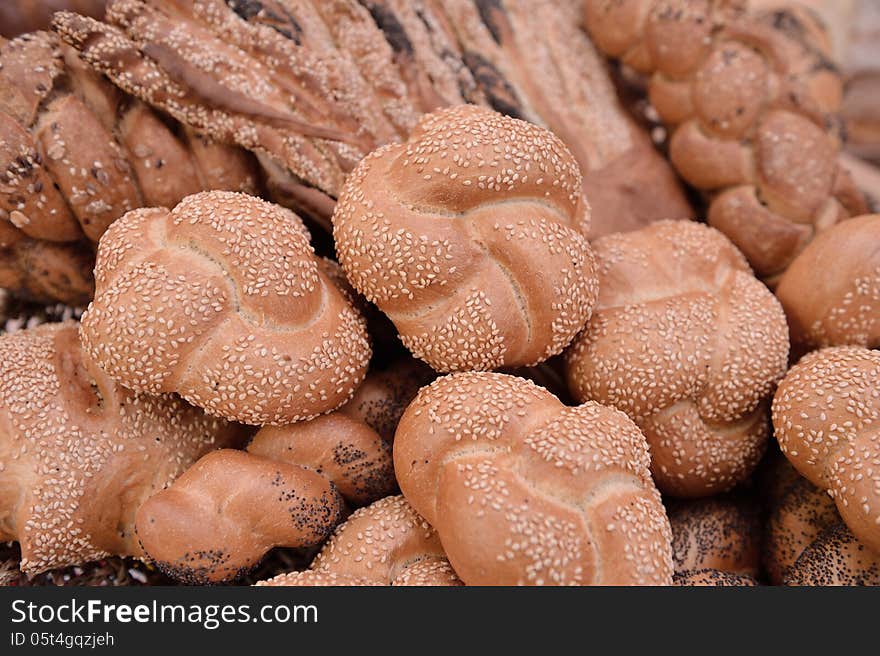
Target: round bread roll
{"x": 222, "y": 300}
{"x": 831, "y": 292}
{"x": 798, "y": 512}
{"x": 470, "y": 237}
{"x": 836, "y": 557}
{"x": 826, "y": 414}
{"x": 524, "y": 490}
{"x": 386, "y": 543}
{"x": 720, "y": 533}
{"x": 218, "y": 520}
{"x": 752, "y": 102}
{"x": 690, "y": 345}
{"x": 79, "y": 453}
{"x": 712, "y": 578}
{"x": 351, "y": 445}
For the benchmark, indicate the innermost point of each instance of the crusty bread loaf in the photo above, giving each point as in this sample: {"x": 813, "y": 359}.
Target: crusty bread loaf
{"x": 224, "y": 513}
{"x": 312, "y": 86}
{"x": 20, "y": 16}
{"x": 831, "y": 292}
{"x": 524, "y": 490}
{"x": 719, "y": 533}
{"x": 797, "y": 512}
{"x": 351, "y": 445}
{"x": 715, "y": 578}
{"x": 826, "y": 415}
{"x": 75, "y": 155}
{"x": 79, "y": 453}
{"x": 753, "y": 102}
{"x": 386, "y": 543}
{"x": 836, "y": 558}
{"x": 469, "y": 236}
{"x": 222, "y": 300}
{"x": 690, "y": 345}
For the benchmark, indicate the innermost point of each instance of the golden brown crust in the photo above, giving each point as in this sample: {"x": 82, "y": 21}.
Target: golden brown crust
{"x": 222, "y": 300}
{"x": 453, "y": 234}
{"x": 826, "y": 415}
{"x": 494, "y": 463}
{"x": 220, "y": 517}
{"x": 678, "y": 304}
{"x": 79, "y": 453}
{"x": 721, "y": 533}
{"x": 753, "y": 100}
{"x": 386, "y": 543}
{"x": 831, "y": 292}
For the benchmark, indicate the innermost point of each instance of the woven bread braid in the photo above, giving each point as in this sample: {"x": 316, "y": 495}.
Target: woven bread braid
{"x": 752, "y": 101}
{"x": 75, "y": 155}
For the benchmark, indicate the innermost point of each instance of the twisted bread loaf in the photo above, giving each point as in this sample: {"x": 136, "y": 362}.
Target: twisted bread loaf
{"x": 690, "y": 345}
{"x": 798, "y": 512}
{"x": 752, "y": 100}
{"x": 312, "y": 86}
{"x": 352, "y": 445}
{"x": 712, "y": 578}
{"x": 836, "y": 557}
{"x": 386, "y": 543}
{"x": 720, "y": 533}
{"x": 218, "y": 519}
{"x": 20, "y": 16}
{"x": 524, "y": 490}
{"x": 831, "y": 292}
{"x": 78, "y": 453}
{"x": 826, "y": 414}
{"x": 76, "y": 154}
{"x": 470, "y": 238}
{"x": 222, "y": 300}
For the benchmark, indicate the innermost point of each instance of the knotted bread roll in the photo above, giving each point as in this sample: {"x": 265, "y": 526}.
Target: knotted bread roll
{"x": 386, "y": 543}
{"x": 690, "y": 345}
{"x": 524, "y": 490}
{"x": 752, "y": 100}
{"x": 836, "y": 558}
{"x": 469, "y": 237}
{"x": 79, "y": 453}
{"x": 831, "y": 292}
{"x": 222, "y": 300}
{"x": 218, "y": 520}
{"x": 826, "y": 415}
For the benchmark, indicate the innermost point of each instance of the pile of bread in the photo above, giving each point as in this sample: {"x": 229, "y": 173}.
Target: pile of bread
{"x": 402, "y": 285}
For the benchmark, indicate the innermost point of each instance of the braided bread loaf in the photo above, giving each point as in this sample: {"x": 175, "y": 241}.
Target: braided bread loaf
{"x": 826, "y": 414}
{"x": 470, "y": 238}
{"x": 312, "y": 86}
{"x": 75, "y": 155}
{"x": 386, "y": 543}
{"x": 690, "y": 345}
{"x": 78, "y": 453}
{"x": 752, "y": 100}
{"x": 224, "y": 513}
{"x": 222, "y": 300}
{"x": 524, "y": 490}
{"x": 831, "y": 292}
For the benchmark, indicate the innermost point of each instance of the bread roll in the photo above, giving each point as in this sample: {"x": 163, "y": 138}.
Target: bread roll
{"x": 75, "y": 155}
{"x": 712, "y": 578}
{"x": 753, "y": 104}
{"x": 690, "y": 345}
{"x": 470, "y": 238}
{"x": 386, "y": 543}
{"x": 835, "y": 558}
{"x": 224, "y": 513}
{"x": 831, "y": 292}
{"x": 222, "y": 300}
{"x": 523, "y": 490}
{"x": 826, "y": 415}
{"x": 79, "y": 453}
{"x": 720, "y": 533}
